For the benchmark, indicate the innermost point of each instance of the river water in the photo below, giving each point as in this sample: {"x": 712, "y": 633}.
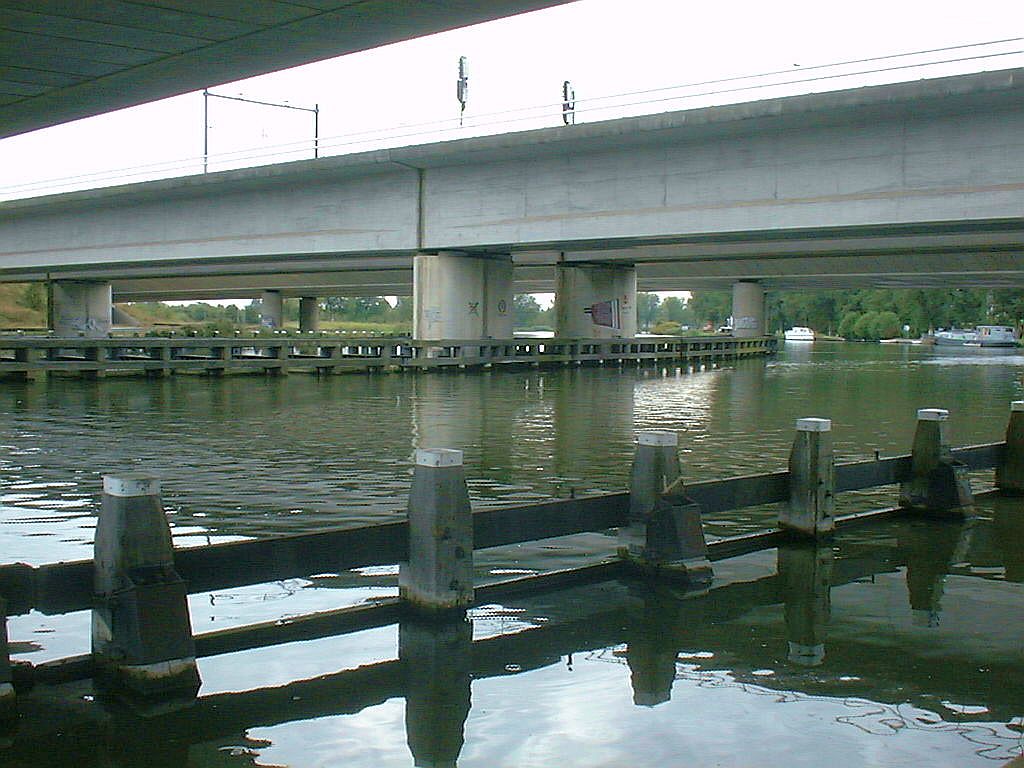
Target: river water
{"x": 917, "y": 647}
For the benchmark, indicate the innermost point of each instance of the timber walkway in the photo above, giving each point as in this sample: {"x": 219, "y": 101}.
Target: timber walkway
{"x": 27, "y": 357}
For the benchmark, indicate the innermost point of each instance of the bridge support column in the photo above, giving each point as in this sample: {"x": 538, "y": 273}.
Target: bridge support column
{"x": 458, "y": 296}
{"x": 595, "y": 301}
{"x": 1010, "y": 473}
{"x": 271, "y": 310}
{"x": 141, "y": 633}
{"x": 80, "y": 308}
{"x": 309, "y": 314}
{"x": 812, "y": 480}
{"x": 664, "y": 536}
{"x": 747, "y": 309}
{"x": 938, "y": 483}
{"x": 438, "y": 577}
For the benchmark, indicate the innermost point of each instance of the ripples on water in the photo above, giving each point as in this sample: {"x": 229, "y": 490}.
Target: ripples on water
{"x": 255, "y": 456}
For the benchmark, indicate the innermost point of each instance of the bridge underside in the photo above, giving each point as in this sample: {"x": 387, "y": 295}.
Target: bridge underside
{"x": 975, "y": 255}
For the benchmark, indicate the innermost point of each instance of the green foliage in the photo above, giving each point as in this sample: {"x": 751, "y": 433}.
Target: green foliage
{"x": 667, "y": 328}
{"x": 646, "y": 309}
{"x": 34, "y": 297}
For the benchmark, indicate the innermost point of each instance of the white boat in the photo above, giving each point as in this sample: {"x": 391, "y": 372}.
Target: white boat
{"x": 799, "y": 333}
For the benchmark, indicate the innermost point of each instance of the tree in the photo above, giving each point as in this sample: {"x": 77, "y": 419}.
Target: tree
{"x": 711, "y": 307}
{"x": 646, "y": 309}
{"x": 525, "y": 311}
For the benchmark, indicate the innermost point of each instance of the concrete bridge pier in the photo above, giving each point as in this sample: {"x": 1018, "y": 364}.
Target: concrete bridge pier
{"x": 272, "y": 310}
{"x": 459, "y": 296}
{"x": 80, "y": 308}
{"x": 309, "y": 314}
{"x": 748, "y": 309}
{"x": 595, "y": 301}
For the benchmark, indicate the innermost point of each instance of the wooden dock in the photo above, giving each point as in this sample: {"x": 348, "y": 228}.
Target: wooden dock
{"x": 27, "y": 357}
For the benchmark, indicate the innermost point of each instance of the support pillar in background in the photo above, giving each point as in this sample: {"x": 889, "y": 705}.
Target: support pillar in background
{"x": 938, "y": 483}
{"x": 595, "y": 301}
{"x": 309, "y": 314}
{"x": 438, "y": 577}
{"x": 812, "y": 480}
{"x": 272, "y": 310}
{"x": 80, "y": 308}
{"x": 1010, "y": 472}
{"x": 141, "y": 632}
{"x": 747, "y": 309}
{"x": 437, "y": 657}
{"x": 458, "y": 296}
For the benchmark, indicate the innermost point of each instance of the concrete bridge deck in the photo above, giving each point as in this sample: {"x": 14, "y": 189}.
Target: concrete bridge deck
{"x": 912, "y": 184}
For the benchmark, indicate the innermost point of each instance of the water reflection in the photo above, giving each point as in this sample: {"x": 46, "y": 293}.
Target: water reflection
{"x": 805, "y": 581}
{"x": 751, "y": 652}
{"x": 930, "y": 551}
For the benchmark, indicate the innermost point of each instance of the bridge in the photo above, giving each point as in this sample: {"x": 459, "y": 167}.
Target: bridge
{"x": 914, "y": 184}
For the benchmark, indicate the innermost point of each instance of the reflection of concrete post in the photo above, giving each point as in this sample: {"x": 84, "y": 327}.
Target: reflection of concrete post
{"x": 439, "y": 574}
{"x": 309, "y": 314}
{"x": 653, "y": 649}
{"x": 811, "y": 507}
{"x": 141, "y": 633}
{"x": 437, "y": 660}
{"x": 7, "y": 706}
{"x": 1008, "y": 524}
{"x": 271, "y": 310}
{"x": 805, "y": 581}
{"x": 1010, "y": 472}
{"x": 747, "y": 309}
{"x": 938, "y": 483}
{"x": 664, "y": 535}
{"x": 930, "y": 551}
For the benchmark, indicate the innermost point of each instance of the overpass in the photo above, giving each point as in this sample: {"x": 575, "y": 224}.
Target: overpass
{"x": 62, "y": 61}
{"x": 914, "y": 184}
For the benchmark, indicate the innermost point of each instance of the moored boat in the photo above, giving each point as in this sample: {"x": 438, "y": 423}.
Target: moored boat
{"x": 982, "y": 336}
{"x": 799, "y": 333}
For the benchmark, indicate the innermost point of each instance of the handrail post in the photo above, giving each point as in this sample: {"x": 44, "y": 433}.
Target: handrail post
{"x": 438, "y": 576}
{"x": 664, "y": 535}
{"x": 1010, "y": 471}
{"x": 7, "y": 701}
{"x": 812, "y": 480}
{"x": 141, "y": 632}
{"x": 938, "y": 483}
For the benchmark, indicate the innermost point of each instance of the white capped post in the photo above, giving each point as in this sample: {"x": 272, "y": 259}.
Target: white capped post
{"x": 811, "y": 507}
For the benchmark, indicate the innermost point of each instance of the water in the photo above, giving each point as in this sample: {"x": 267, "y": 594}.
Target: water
{"x": 920, "y": 632}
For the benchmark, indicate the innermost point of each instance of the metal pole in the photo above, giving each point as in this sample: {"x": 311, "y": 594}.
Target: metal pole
{"x": 316, "y": 131}
{"x": 206, "y": 127}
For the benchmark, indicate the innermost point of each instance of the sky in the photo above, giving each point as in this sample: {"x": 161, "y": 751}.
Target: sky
{"x": 609, "y": 49}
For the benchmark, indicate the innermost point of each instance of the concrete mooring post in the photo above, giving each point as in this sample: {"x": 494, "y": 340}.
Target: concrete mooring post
{"x": 141, "y": 633}
{"x": 812, "y": 483}
{"x": 439, "y": 574}
{"x": 938, "y": 483}
{"x": 7, "y": 704}
{"x": 1010, "y": 472}
{"x": 664, "y": 535}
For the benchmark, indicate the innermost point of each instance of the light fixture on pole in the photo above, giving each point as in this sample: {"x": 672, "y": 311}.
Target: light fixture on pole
{"x": 568, "y": 103}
